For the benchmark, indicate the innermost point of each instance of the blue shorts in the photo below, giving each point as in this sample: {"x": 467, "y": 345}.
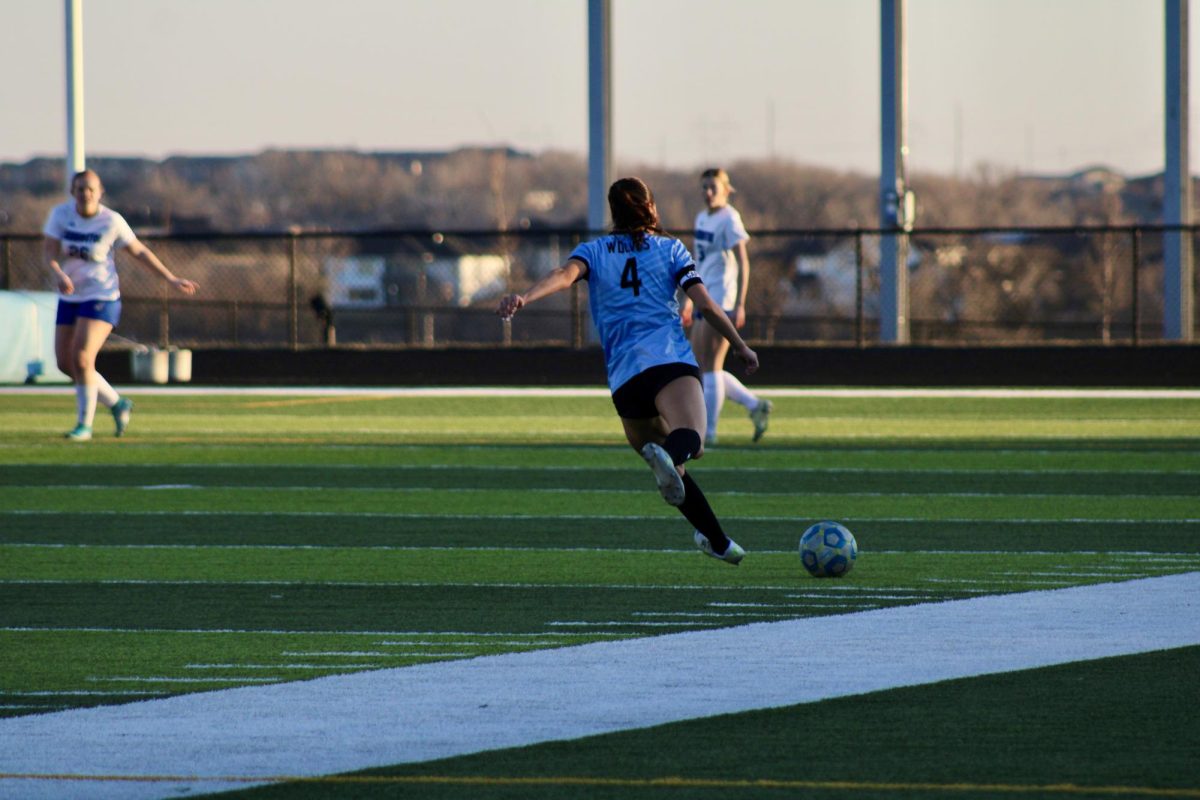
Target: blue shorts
{"x": 104, "y": 310}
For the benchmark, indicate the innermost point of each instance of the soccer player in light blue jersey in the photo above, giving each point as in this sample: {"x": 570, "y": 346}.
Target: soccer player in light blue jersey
{"x": 633, "y": 275}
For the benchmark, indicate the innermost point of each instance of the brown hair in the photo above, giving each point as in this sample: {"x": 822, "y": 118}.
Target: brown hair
{"x": 84, "y": 174}
{"x": 633, "y": 211}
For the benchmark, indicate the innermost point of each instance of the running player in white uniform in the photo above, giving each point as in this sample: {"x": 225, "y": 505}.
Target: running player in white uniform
{"x": 724, "y": 266}
{"x": 81, "y": 237}
{"x": 633, "y": 275}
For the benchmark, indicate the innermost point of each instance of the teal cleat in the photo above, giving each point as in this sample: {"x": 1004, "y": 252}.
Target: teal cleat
{"x": 121, "y": 412}
{"x": 733, "y": 553}
{"x": 80, "y": 433}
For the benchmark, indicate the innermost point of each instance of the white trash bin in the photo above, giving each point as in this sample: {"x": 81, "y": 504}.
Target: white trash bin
{"x": 150, "y": 365}
{"x": 181, "y": 365}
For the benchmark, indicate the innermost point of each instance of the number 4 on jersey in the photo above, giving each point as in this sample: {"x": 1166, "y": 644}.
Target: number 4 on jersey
{"x": 629, "y": 277}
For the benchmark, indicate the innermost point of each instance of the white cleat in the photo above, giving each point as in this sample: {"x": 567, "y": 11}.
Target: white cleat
{"x": 733, "y": 553}
{"x": 761, "y": 417}
{"x": 670, "y": 484}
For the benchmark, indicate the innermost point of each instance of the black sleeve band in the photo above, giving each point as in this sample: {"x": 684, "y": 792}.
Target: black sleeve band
{"x": 687, "y": 276}
{"x": 587, "y": 268}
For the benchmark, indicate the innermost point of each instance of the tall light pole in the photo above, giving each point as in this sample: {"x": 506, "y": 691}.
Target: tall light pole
{"x": 76, "y": 159}
{"x": 1178, "y": 273}
{"x": 599, "y": 111}
{"x": 895, "y": 201}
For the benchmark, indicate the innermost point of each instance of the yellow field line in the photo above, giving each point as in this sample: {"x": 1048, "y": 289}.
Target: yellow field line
{"x": 308, "y": 401}
{"x": 630, "y": 783}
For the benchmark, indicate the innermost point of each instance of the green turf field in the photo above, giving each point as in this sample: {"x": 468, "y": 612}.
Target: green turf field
{"x": 244, "y": 539}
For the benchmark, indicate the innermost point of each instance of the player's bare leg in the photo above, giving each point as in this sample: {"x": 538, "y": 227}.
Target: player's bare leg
{"x": 710, "y": 348}
{"x": 85, "y": 340}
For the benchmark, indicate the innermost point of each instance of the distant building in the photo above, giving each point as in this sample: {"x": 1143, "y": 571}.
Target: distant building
{"x": 826, "y": 283}
{"x": 354, "y": 281}
{"x": 406, "y": 271}
{"x": 466, "y": 279}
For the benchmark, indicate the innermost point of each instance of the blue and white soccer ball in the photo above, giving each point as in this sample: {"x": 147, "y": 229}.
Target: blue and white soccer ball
{"x": 828, "y": 550}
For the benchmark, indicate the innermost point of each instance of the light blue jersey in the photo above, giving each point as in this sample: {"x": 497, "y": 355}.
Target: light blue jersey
{"x": 632, "y": 298}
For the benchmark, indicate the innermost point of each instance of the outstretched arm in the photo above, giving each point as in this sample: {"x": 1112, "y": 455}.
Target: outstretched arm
{"x": 716, "y": 316}
{"x": 554, "y": 281}
{"x": 146, "y": 258}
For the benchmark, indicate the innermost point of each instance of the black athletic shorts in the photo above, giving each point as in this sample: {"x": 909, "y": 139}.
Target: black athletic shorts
{"x": 634, "y": 398}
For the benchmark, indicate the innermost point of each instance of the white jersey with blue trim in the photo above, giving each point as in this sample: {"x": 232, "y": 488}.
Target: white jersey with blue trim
{"x": 631, "y": 292}
{"x": 717, "y": 233}
{"x": 86, "y": 249}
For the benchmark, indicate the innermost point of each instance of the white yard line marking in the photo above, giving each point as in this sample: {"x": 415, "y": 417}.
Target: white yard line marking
{"x": 449, "y": 635}
{"x": 534, "y": 490}
{"x": 280, "y": 666}
{"x": 582, "y": 623}
{"x": 639, "y": 517}
{"x": 708, "y": 470}
{"x": 431, "y": 711}
{"x": 333, "y": 653}
{"x": 539, "y": 391}
{"x": 165, "y": 679}
{"x": 81, "y": 693}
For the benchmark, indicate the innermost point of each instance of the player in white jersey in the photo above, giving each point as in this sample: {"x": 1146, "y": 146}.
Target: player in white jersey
{"x": 724, "y": 265}
{"x": 80, "y": 239}
{"x": 633, "y": 275}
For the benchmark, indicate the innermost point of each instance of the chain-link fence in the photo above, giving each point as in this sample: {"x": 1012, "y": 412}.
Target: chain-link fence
{"x": 425, "y": 289}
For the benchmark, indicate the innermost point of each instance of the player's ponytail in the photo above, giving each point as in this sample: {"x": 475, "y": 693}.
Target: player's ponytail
{"x": 633, "y": 211}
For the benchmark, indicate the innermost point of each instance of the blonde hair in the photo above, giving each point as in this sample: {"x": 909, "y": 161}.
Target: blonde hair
{"x": 720, "y": 176}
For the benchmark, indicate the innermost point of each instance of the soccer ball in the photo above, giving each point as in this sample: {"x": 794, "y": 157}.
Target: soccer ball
{"x": 828, "y": 550}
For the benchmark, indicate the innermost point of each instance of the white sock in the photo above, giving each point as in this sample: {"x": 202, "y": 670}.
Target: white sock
{"x": 714, "y": 398}
{"x": 105, "y": 393}
{"x": 738, "y": 393}
{"x": 85, "y": 402}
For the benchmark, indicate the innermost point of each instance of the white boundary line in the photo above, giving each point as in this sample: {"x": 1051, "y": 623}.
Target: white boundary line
{"x": 540, "y": 391}
{"x": 419, "y": 713}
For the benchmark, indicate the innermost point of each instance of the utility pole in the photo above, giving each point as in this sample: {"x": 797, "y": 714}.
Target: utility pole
{"x": 599, "y": 112}
{"x": 1178, "y": 271}
{"x": 895, "y": 201}
{"x": 76, "y": 161}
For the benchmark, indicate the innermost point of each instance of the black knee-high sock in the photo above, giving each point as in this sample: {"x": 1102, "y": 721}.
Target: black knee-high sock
{"x": 682, "y": 444}
{"x": 698, "y": 512}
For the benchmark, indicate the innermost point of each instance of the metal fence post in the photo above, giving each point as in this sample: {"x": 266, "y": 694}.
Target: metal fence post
{"x": 414, "y": 309}
{"x": 5, "y": 260}
{"x": 164, "y": 320}
{"x": 577, "y": 313}
{"x": 293, "y": 296}
{"x": 859, "y": 333}
{"x": 1133, "y": 311}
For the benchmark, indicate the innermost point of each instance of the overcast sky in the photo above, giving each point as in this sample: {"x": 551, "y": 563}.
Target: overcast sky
{"x": 1036, "y": 85}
